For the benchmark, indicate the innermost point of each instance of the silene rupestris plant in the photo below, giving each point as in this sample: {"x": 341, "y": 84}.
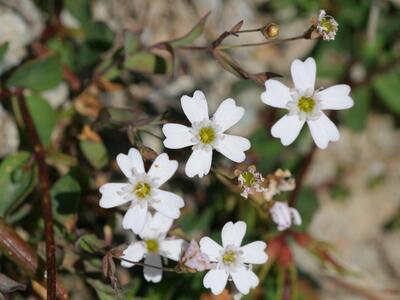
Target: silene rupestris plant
{"x": 167, "y": 197}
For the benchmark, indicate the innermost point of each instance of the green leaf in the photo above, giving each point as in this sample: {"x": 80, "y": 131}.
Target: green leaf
{"x": 16, "y": 181}
{"x": 95, "y": 152}
{"x": 355, "y": 117}
{"x": 80, "y": 9}
{"x": 307, "y": 204}
{"x": 387, "y": 87}
{"x": 131, "y": 43}
{"x": 65, "y": 194}
{"x": 90, "y": 243}
{"x": 146, "y": 62}
{"x": 192, "y": 35}
{"x": 40, "y": 74}
{"x": 3, "y": 50}
{"x": 44, "y": 117}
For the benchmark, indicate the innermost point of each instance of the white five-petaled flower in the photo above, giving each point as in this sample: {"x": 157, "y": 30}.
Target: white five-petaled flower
{"x": 327, "y": 26}
{"x": 232, "y": 261}
{"x": 284, "y": 216}
{"x": 206, "y": 134}
{"x": 153, "y": 245}
{"x": 142, "y": 189}
{"x": 305, "y": 104}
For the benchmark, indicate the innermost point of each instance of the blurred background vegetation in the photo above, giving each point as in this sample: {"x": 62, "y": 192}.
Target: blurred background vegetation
{"x": 95, "y": 87}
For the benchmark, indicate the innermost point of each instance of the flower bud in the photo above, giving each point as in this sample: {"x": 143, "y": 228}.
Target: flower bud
{"x": 270, "y": 31}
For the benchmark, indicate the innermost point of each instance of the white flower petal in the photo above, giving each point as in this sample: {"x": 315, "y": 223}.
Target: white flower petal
{"x": 304, "y": 73}
{"x": 131, "y": 161}
{"x": 152, "y": 274}
{"x": 134, "y": 252}
{"x": 287, "y": 129}
{"x": 211, "y": 248}
{"x": 177, "y": 136}
{"x": 233, "y": 233}
{"x": 233, "y": 147}
{"x": 167, "y": 203}
{"x": 195, "y": 108}
{"x": 276, "y": 94}
{"x": 216, "y": 280}
{"x": 162, "y": 169}
{"x": 330, "y": 128}
{"x": 318, "y": 133}
{"x": 110, "y": 195}
{"x": 254, "y": 253}
{"x": 171, "y": 249}
{"x": 336, "y": 97}
{"x": 295, "y": 216}
{"x": 281, "y": 215}
{"x": 199, "y": 163}
{"x": 244, "y": 280}
{"x": 135, "y": 218}
{"x": 156, "y": 226}
{"x": 228, "y": 114}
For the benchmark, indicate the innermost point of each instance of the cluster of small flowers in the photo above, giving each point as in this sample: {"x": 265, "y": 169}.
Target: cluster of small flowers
{"x": 152, "y": 209}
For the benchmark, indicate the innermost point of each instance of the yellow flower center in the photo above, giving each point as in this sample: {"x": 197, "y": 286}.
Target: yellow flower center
{"x": 248, "y": 178}
{"x": 229, "y": 257}
{"x": 152, "y": 246}
{"x": 142, "y": 190}
{"x": 207, "y": 135}
{"x": 306, "y": 104}
{"x": 326, "y": 25}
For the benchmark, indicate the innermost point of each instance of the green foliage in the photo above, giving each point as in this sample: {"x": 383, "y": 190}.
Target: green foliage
{"x": 38, "y": 108}
{"x": 356, "y": 117}
{"x": 3, "y": 50}
{"x": 95, "y": 153}
{"x": 387, "y": 87}
{"x": 65, "y": 194}
{"x": 17, "y": 179}
{"x": 39, "y": 74}
{"x": 307, "y": 204}
{"x": 146, "y": 62}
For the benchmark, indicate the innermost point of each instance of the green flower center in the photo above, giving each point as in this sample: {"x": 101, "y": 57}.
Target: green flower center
{"x": 326, "y": 25}
{"x": 152, "y": 246}
{"x": 229, "y": 257}
{"x": 207, "y": 135}
{"x": 306, "y": 104}
{"x": 142, "y": 190}
{"x": 248, "y": 178}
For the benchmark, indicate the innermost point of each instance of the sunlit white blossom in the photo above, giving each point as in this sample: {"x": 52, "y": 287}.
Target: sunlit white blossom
{"x": 306, "y": 104}
{"x": 206, "y": 134}
{"x": 284, "y": 216}
{"x": 142, "y": 189}
{"x": 327, "y": 26}
{"x": 153, "y": 245}
{"x": 232, "y": 261}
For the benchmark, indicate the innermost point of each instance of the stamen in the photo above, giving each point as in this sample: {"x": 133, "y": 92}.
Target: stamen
{"x": 306, "y": 104}
{"x": 142, "y": 190}
{"x": 152, "y": 246}
{"x": 207, "y": 135}
{"x": 229, "y": 257}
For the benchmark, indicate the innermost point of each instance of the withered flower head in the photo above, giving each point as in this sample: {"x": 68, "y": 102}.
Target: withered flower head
{"x": 280, "y": 181}
{"x": 250, "y": 181}
{"x": 327, "y": 26}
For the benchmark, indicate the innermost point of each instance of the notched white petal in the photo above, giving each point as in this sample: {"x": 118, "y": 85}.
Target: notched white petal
{"x": 304, "y": 73}
{"x": 228, "y": 114}
{"x": 287, "y": 129}
{"x": 177, "y": 136}
{"x": 276, "y": 94}
{"x": 195, "y": 108}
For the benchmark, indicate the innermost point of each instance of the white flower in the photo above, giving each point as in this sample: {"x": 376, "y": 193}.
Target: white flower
{"x": 232, "y": 260}
{"x": 327, "y": 26}
{"x": 206, "y": 134}
{"x": 305, "y": 104}
{"x": 284, "y": 216}
{"x": 195, "y": 259}
{"x": 153, "y": 245}
{"x": 142, "y": 189}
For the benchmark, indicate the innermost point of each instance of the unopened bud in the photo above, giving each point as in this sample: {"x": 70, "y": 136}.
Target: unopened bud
{"x": 270, "y": 31}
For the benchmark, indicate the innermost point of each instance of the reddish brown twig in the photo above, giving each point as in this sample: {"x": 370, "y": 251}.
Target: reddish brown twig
{"x": 44, "y": 184}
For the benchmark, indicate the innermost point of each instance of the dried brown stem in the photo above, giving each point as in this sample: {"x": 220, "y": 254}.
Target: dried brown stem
{"x": 44, "y": 185}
